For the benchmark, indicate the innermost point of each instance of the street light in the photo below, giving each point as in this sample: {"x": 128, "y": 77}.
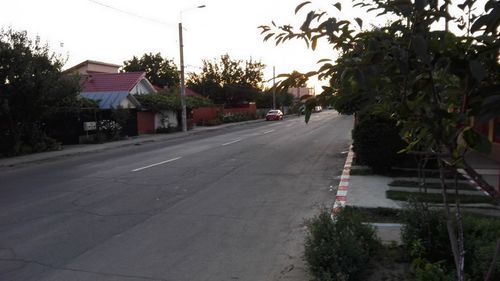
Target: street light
{"x": 183, "y": 85}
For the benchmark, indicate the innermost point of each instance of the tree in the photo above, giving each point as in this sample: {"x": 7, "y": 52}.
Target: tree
{"x": 430, "y": 80}
{"x": 159, "y": 71}
{"x": 32, "y": 91}
{"x": 265, "y": 99}
{"x": 227, "y": 81}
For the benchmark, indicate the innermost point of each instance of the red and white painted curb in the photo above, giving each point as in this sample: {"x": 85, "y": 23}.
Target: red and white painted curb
{"x": 473, "y": 182}
{"x": 341, "y": 197}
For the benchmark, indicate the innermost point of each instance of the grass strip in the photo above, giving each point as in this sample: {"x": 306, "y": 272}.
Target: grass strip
{"x": 381, "y": 215}
{"x": 432, "y": 185}
{"x": 436, "y": 198}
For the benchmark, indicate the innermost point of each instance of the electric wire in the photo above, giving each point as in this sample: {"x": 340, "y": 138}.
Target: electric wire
{"x": 170, "y": 24}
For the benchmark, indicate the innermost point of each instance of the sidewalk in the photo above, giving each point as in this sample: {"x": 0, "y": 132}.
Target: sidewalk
{"x": 369, "y": 191}
{"x": 76, "y": 149}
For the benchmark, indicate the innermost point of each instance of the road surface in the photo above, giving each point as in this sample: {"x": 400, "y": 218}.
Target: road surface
{"x": 225, "y": 205}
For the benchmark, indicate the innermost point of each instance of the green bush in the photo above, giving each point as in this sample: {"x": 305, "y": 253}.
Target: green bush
{"x": 481, "y": 235}
{"x": 427, "y": 271}
{"x": 213, "y": 122}
{"x": 237, "y": 117}
{"x": 376, "y": 142}
{"x": 425, "y": 236}
{"x": 424, "y": 233}
{"x": 340, "y": 249}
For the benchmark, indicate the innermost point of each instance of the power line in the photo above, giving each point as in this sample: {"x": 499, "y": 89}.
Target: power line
{"x": 170, "y": 24}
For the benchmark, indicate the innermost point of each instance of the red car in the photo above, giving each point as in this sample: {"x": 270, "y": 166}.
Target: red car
{"x": 274, "y": 114}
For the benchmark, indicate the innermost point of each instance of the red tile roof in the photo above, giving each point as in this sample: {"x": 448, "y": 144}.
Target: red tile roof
{"x": 109, "y": 82}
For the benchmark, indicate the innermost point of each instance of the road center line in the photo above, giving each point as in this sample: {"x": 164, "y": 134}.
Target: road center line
{"x": 267, "y": 132}
{"x": 156, "y": 164}
{"x": 231, "y": 142}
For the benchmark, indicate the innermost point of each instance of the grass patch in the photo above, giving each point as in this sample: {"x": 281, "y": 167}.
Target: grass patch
{"x": 390, "y": 263}
{"x": 381, "y": 215}
{"x": 436, "y": 198}
{"x": 361, "y": 172}
{"x": 432, "y": 185}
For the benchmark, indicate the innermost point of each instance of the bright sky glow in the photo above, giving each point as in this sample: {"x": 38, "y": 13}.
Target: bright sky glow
{"x": 83, "y": 29}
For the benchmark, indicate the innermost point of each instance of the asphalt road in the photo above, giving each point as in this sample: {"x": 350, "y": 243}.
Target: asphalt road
{"x": 225, "y": 205}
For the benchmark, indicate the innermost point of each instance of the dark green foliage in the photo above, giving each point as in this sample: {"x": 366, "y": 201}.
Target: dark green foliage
{"x": 340, "y": 249}
{"x": 376, "y": 142}
{"x": 378, "y": 214}
{"x": 425, "y": 236}
{"x": 33, "y": 91}
{"x": 481, "y": 236}
{"x": 432, "y": 185}
{"x": 120, "y": 115}
{"x": 437, "y": 197}
{"x": 424, "y": 233}
{"x": 158, "y": 103}
{"x": 265, "y": 99}
{"x": 228, "y": 81}
{"x": 428, "y": 271}
{"x": 238, "y": 117}
{"x": 159, "y": 71}
{"x": 172, "y": 101}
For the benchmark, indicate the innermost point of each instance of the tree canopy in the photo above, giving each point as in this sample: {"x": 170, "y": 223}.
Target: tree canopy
{"x": 160, "y": 71}
{"x": 431, "y": 81}
{"x": 170, "y": 101}
{"x": 265, "y": 99}
{"x": 32, "y": 90}
{"x": 228, "y": 81}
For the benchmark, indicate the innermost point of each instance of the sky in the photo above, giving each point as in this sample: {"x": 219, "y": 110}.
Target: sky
{"x": 88, "y": 30}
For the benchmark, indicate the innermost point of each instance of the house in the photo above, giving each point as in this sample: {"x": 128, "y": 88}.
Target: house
{"x": 92, "y": 66}
{"x": 103, "y": 83}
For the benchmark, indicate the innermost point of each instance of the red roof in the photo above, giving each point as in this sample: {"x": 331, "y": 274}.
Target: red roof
{"x": 112, "y": 82}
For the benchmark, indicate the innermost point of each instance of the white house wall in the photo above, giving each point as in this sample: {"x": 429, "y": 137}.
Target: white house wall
{"x": 126, "y": 103}
{"x": 165, "y": 118}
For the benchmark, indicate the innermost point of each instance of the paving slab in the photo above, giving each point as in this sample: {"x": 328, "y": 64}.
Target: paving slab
{"x": 369, "y": 192}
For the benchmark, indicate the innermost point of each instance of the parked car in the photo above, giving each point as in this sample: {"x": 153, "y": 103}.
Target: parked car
{"x": 274, "y": 114}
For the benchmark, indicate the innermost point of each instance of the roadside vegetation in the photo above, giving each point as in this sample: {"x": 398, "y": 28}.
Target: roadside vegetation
{"x": 414, "y": 86}
{"x": 35, "y": 97}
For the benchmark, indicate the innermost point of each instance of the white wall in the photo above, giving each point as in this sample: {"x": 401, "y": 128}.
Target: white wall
{"x": 169, "y": 118}
{"x": 126, "y": 103}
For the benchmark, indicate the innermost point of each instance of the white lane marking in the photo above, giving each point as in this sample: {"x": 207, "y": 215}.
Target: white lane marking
{"x": 156, "y": 164}
{"x": 267, "y": 132}
{"x": 231, "y": 142}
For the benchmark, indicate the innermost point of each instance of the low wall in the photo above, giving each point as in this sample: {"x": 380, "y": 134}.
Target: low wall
{"x": 250, "y": 109}
{"x": 204, "y": 115}
{"x": 209, "y": 115}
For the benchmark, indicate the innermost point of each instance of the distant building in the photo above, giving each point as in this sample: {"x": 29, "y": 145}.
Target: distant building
{"x": 90, "y": 66}
{"x": 300, "y": 92}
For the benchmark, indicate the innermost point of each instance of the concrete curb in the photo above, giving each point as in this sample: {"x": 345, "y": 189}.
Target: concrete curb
{"x": 93, "y": 148}
{"x": 341, "y": 197}
{"x": 472, "y": 182}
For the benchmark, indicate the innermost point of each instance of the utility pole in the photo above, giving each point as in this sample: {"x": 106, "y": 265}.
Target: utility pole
{"x": 183, "y": 86}
{"x": 274, "y": 87}
{"x": 183, "y": 83}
